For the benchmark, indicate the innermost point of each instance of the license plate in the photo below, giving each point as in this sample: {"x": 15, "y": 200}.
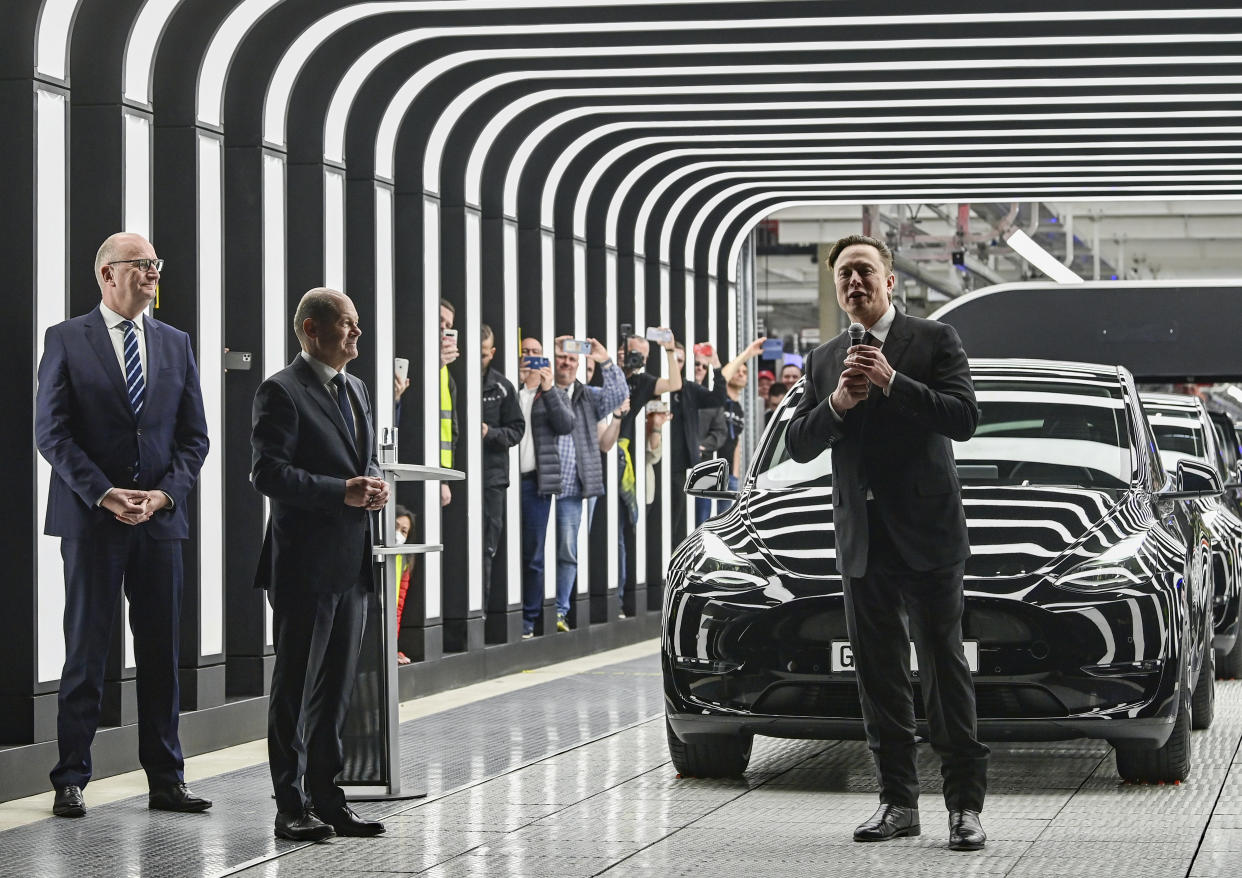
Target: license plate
{"x": 843, "y": 656}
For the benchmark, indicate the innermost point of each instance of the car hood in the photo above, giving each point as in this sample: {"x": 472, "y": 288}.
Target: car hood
{"x": 1014, "y": 531}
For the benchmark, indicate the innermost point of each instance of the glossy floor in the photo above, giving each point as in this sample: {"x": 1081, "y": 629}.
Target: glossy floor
{"x": 569, "y": 776}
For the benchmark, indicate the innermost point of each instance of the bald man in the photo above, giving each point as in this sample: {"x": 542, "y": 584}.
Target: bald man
{"x": 119, "y": 416}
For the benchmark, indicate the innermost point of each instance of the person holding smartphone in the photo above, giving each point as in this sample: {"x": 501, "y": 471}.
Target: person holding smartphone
{"x": 503, "y": 427}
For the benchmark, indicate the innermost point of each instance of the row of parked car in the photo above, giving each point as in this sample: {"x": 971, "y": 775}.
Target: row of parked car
{"x": 1102, "y": 594}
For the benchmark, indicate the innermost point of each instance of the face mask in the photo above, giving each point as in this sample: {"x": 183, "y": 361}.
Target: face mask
{"x": 398, "y": 538}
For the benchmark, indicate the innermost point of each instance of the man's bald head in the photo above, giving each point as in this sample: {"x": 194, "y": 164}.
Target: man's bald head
{"x": 118, "y": 246}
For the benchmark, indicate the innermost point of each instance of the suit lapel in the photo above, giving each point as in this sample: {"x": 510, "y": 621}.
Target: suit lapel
{"x": 319, "y": 393}
{"x": 365, "y": 437}
{"x": 155, "y": 356}
{"x": 97, "y": 337}
{"x": 897, "y": 340}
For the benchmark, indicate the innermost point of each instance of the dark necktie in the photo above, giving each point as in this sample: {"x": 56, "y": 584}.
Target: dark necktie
{"x": 869, "y": 339}
{"x": 135, "y": 386}
{"x": 347, "y": 411}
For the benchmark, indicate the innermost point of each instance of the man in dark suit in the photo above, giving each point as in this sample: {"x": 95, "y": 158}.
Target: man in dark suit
{"x": 888, "y": 408}
{"x": 313, "y": 454}
{"x": 119, "y": 416}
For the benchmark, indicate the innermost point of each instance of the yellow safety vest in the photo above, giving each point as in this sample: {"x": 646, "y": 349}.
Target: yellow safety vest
{"x": 446, "y": 420}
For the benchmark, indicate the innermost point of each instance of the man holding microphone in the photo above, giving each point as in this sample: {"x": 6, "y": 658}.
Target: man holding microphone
{"x": 889, "y": 408}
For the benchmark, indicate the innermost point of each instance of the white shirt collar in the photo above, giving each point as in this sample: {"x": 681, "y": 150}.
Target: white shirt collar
{"x": 112, "y": 319}
{"x": 880, "y": 331}
{"x": 325, "y": 372}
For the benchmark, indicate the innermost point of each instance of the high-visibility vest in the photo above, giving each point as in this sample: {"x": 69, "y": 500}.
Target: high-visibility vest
{"x": 446, "y": 420}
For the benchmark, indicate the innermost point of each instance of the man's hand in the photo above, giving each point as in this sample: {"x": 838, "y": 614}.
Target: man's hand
{"x": 366, "y": 492}
{"x": 852, "y": 388}
{"x": 545, "y": 377}
{"x": 399, "y": 386}
{"x": 448, "y": 350}
{"x": 870, "y": 361}
{"x": 755, "y": 348}
{"x": 671, "y": 344}
{"x": 599, "y": 353}
{"x": 623, "y": 409}
{"x": 126, "y": 505}
{"x": 156, "y": 500}
{"x": 484, "y": 429}
{"x": 446, "y": 496}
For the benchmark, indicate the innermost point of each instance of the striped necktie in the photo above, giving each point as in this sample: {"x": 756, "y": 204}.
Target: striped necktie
{"x": 135, "y": 386}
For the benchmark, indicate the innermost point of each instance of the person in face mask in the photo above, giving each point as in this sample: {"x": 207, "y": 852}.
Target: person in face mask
{"x": 403, "y": 524}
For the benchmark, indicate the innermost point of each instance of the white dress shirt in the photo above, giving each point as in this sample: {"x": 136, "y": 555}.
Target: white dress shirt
{"x": 116, "y": 334}
{"x": 325, "y": 374}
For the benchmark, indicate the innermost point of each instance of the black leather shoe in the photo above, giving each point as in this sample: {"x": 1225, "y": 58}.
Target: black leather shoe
{"x": 302, "y": 827}
{"x": 347, "y": 822}
{"x": 889, "y": 821}
{"x": 69, "y": 802}
{"x": 176, "y": 797}
{"x": 965, "y": 831}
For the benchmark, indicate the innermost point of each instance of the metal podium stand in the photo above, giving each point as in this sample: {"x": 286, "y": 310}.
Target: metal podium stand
{"x": 371, "y": 736}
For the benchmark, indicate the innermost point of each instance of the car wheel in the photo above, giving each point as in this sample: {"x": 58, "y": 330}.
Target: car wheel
{"x": 1229, "y": 665}
{"x": 1203, "y": 702}
{"x": 709, "y": 755}
{"x": 1164, "y": 764}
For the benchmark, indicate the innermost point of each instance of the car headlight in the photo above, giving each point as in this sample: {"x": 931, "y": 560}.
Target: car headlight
{"x": 1118, "y": 567}
{"x": 720, "y": 565}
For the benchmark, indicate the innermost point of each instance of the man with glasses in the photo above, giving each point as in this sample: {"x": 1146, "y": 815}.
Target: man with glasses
{"x": 119, "y": 416}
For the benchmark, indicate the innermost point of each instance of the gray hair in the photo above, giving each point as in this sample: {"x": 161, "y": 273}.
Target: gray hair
{"x": 321, "y": 304}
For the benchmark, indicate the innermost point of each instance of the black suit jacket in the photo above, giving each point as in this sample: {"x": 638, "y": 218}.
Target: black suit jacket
{"x": 301, "y": 457}
{"x": 898, "y": 446}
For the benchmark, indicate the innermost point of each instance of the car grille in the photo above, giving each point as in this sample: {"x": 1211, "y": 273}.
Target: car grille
{"x": 840, "y": 699}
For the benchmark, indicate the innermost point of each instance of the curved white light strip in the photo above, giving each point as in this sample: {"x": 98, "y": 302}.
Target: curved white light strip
{"x": 868, "y": 168}
{"x": 760, "y": 134}
{"x": 140, "y": 47}
{"x": 339, "y": 108}
{"x": 52, "y": 38}
{"x": 614, "y": 208}
{"x": 219, "y": 57}
{"x": 481, "y": 146}
{"x": 800, "y": 199}
{"x": 450, "y": 116}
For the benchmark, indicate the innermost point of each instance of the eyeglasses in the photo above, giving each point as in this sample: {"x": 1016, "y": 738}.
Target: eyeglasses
{"x": 142, "y": 264}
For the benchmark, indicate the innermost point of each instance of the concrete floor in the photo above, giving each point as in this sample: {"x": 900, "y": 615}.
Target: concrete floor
{"x": 565, "y": 772}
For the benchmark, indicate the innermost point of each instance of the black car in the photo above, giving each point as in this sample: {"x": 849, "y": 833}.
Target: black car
{"x": 1088, "y": 593}
{"x": 1185, "y": 431}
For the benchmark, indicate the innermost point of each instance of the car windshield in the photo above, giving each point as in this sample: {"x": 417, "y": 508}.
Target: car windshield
{"x": 1036, "y": 431}
{"x": 1179, "y": 436}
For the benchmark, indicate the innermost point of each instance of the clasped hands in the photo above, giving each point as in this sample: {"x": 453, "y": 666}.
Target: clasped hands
{"x": 864, "y": 365}
{"x": 133, "y": 507}
{"x": 366, "y": 492}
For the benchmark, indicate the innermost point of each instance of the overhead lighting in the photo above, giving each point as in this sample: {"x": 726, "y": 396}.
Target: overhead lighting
{"x": 1025, "y": 247}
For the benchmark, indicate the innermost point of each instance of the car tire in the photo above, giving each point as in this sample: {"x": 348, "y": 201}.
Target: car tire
{"x": 1229, "y": 665}
{"x": 1166, "y": 764}
{"x": 709, "y": 756}
{"x": 1203, "y": 702}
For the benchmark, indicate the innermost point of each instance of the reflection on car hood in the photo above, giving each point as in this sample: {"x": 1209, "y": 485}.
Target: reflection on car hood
{"x": 1013, "y": 530}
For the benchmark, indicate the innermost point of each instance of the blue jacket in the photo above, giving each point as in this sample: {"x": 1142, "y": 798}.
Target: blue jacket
{"x": 86, "y": 429}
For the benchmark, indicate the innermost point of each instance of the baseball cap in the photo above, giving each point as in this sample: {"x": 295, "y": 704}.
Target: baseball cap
{"x": 767, "y": 373}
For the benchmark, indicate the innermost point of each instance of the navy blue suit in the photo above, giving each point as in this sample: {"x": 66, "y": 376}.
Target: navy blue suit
{"x": 86, "y": 429}
{"x": 316, "y": 564}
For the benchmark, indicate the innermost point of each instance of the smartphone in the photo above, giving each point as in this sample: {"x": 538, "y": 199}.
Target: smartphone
{"x": 773, "y": 349}
{"x": 659, "y": 335}
{"x": 452, "y": 334}
{"x": 536, "y": 362}
{"x": 401, "y": 366}
{"x": 576, "y": 346}
{"x": 657, "y": 405}
{"x": 703, "y": 349}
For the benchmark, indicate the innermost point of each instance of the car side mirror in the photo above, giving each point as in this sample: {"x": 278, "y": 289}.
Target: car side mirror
{"x": 709, "y": 478}
{"x": 1196, "y": 479}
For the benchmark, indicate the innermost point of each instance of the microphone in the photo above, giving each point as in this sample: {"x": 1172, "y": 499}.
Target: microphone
{"x": 856, "y": 333}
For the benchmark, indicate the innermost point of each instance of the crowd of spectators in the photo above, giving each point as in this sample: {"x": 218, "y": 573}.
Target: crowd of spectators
{"x": 573, "y": 405}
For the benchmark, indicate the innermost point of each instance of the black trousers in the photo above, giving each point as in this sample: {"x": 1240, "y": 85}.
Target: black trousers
{"x": 97, "y": 568}
{"x": 884, "y": 609}
{"x": 493, "y": 527}
{"x": 317, "y": 641}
